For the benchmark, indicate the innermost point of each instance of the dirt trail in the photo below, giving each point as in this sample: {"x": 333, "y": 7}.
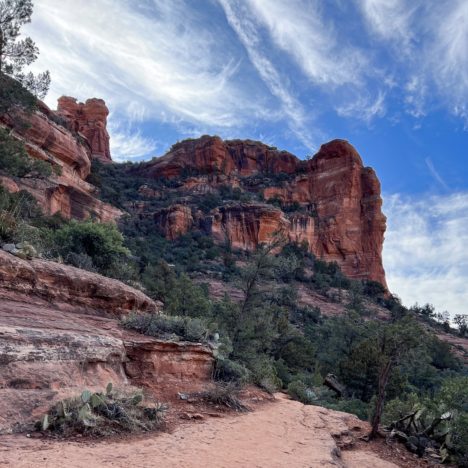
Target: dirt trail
{"x": 279, "y": 434}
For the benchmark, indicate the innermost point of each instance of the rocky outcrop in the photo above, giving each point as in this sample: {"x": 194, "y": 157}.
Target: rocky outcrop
{"x": 68, "y": 287}
{"x": 60, "y": 334}
{"x": 89, "y": 119}
{"x": 211, "y": 155}
{"x": 51, "y": 136}
{"x": 331, "y": 202}
{"x": 163, "y": 365}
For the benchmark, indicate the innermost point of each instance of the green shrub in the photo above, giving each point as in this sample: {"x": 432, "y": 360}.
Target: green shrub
{"x": 102, "y": 243}
{"x": 298, "y": 391}
{"x": 15, "y": 161}
{"x": 230, "y": 371}
{"x": 168, "y": 327}
{"x": 16, "y": 211}
{"x": 353, "y": 406}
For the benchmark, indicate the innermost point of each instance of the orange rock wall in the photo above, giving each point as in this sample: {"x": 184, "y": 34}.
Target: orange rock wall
{"x": 90, "y": 119}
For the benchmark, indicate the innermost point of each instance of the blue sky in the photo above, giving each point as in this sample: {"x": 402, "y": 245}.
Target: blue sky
{"x": 390, "y": 76}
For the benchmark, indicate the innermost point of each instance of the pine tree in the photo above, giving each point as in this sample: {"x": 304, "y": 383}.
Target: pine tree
{"x": 16, "y": 54}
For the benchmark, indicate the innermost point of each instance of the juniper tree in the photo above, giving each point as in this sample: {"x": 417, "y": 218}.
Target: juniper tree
{"x": 394, "y": 341}
{"x": 15, "y": 55}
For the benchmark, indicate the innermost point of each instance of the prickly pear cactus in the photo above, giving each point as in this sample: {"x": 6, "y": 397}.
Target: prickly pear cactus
{"x": 85, "y": 396}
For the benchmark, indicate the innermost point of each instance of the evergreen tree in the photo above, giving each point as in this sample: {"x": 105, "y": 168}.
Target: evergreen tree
{"x": 16, "y": 54}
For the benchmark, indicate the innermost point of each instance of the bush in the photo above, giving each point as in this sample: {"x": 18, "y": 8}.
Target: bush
{"x": 298, "y": 391}
{"x": 353, "y": 406}
{"x": 230, "y": 371}
{"x": 15, "y": 161}
{"x": 16, "y": 210}
{"x": 102, "y": 413}
{"x": 102, "y": 243}
{"x": 168, "y": 327}
{"x": 226, "y": 394}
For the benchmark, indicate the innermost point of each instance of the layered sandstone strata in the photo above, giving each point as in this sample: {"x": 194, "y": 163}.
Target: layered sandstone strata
{"x": 60, "y": 334}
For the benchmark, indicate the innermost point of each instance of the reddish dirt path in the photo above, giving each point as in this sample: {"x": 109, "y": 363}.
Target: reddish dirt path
{"x": 276, "y": 435}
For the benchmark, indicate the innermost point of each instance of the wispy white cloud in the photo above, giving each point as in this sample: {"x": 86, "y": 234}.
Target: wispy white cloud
{"x": 300, "y": 28}
{"x": 447, "y": 53}
{"x": 147, "y": 59}
{"x": 242, "y": 22}
{"x": 365, "y": 108}
{"x": 425, "y": 254}
{"x": 128, "y": 143}
{"x": 435, "y": 174}
{"x": 415, "y": 96}
{"x": 390, "y": 20}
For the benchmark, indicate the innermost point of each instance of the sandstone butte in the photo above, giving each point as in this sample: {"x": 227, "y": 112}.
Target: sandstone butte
{"x": 341, "y": 218}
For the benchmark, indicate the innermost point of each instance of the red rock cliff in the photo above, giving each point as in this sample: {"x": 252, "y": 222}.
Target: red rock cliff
{"x": 52, "y": 137}
{"x": 336, "y": 200}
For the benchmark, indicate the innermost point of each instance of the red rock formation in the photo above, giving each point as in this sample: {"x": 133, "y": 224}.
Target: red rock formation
{"x": 211, "y": 155}
{"x": 66, "y": 286}
{"x": 245, "y": 226}
{"x": 49, "y": 137}
{"x": 60, "y": 334}
{"x": 174, "y": 221}
{"x": 168, "y": 365}
{"x": 340, "y": 216}
{"x": 90, "y": 119}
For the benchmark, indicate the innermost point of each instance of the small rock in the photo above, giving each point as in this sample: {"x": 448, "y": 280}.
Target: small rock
{"x": 11, "y": 248}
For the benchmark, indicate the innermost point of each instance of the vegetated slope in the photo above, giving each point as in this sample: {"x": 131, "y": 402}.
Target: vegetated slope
{"x": 283, "y": 317}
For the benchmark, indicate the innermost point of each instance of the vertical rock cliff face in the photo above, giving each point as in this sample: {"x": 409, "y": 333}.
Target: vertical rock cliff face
{"x": 332, "y": 201}
{"x": 56, "y": 137}
{"x": 90, "y": 119}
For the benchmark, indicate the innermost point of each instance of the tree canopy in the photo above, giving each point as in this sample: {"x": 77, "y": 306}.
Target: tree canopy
{"x": 16, "y": 54}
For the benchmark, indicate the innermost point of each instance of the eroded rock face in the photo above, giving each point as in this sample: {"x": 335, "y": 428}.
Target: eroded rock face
{"x": 335, "y": 200}
{"x": 211, "y": 155}
{"x": 53, "y": 137}
{"x": 60, "y": 334}
{"x": 245, "y": 226}
{"x": 68, "y": 287}
{"x": 174, "y": 221}
{"x": 90, "y": 119}
{"x": 161, "y": 365}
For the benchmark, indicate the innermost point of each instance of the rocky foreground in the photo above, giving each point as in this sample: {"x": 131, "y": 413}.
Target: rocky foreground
{"x": 60, "y": 333}
{"x": 280, "y": 434}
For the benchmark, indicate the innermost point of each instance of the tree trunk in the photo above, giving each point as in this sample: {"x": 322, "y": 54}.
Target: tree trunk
{"x": 379, "y": 405}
